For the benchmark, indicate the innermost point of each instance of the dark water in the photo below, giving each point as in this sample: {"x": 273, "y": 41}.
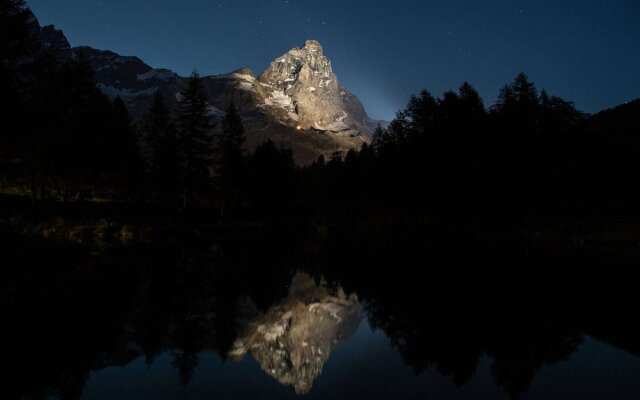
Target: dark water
{"x": 394, "y": 315}
{"x": 368, "y": 367}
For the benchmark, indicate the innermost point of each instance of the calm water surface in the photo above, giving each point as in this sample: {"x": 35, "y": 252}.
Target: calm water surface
{"x": 368, "y": 367}
{"x": 275, "y": 317}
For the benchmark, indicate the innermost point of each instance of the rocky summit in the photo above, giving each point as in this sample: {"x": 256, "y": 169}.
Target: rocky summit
{"x": 297, "y": 102}
{"x": 304, "y": 91}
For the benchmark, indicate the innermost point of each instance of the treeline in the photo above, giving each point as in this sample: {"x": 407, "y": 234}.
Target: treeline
{"x": 529, "y": 156}
{"x": 450, "y": 156}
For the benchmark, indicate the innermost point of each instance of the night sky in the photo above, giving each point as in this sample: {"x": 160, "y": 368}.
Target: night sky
{"x": 585, "y": 51}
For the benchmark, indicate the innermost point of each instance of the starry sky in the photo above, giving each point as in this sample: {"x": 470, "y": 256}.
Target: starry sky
{"x": 382, "y": 50}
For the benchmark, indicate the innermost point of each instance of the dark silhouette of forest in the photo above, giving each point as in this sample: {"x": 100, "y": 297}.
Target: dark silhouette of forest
{"x": 529, "y": 156}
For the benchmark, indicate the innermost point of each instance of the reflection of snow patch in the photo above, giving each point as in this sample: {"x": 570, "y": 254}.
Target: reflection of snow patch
{"x": 272, "y": 332}
{"x": 213, "y": 111}
{"x": 238, "y": 350}
{"x": 333, "y": 309}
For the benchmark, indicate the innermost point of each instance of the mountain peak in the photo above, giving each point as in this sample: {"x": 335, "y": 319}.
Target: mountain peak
{"x": 304, "y": 78}
{"x": 303, "y": 91}
{"x": 313, "y": 45}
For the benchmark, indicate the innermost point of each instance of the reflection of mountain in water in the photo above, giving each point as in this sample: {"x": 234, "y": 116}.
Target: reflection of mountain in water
{"x": 294, "y": 338}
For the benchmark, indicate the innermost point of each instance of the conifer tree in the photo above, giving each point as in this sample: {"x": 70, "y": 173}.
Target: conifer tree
{"x": 229, "y": 157}
{"x": 229, "y": 147}
{"x": 194, "y": 138}
{"x": 16, "y": 40}
{"x": 16, "y": 43}
{"x": 161, "y": 149}
{"x": 272, "y": 173}
{"x": 124, "y": 157}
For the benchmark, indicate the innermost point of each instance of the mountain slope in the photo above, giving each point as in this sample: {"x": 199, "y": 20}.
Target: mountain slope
{"x": 297, "y": 102}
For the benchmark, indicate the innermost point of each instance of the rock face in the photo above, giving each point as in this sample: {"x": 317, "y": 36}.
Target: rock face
{"x": 297, "y": 102}
{"x": 294, "y": 339}
{"x": 303, "y": 84}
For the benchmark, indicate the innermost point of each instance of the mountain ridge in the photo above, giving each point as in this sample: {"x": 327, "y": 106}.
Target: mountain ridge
{"x": 297, "y": 102}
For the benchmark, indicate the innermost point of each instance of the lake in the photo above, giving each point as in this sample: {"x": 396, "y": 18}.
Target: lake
{"x": 393, "y": 315}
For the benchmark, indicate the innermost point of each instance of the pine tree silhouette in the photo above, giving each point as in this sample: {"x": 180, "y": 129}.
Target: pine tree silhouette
{"x": 194, "y": 138}
{"x": 230, "y": 161}
{"x": 161, "y": 151}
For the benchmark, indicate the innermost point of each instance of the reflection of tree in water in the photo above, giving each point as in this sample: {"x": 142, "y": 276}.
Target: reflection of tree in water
{"x": 518, "y": 355}
{"x": 455, "y": 347}
{"x": 185, "y": 362}
{"x": 445, "y": 303}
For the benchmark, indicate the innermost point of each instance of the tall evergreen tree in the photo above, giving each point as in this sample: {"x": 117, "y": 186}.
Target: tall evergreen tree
{"x": 194, "y": 137}
{"x": 16, "y": 44}
{"x": 471, "y": 102}
{"x": 16, "y": 39}
{"x": 380, "y": 140}
{"x": 161, "y": 149}
{"x": 124, "y": 158}
{"x": 230, "y": 158}
{"x": 272, "y": 186}
{"x": 518, "y": 104}
{"x": 229, "y": 147}
{"x": 422, "y": 112}
{"x": 557, "y": 115}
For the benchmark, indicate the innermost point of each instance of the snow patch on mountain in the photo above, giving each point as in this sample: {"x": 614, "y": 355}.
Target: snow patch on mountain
{"x": 279, "y": 99}
{"x": 125, "y": 94}
{"x": 293, "y": 116}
